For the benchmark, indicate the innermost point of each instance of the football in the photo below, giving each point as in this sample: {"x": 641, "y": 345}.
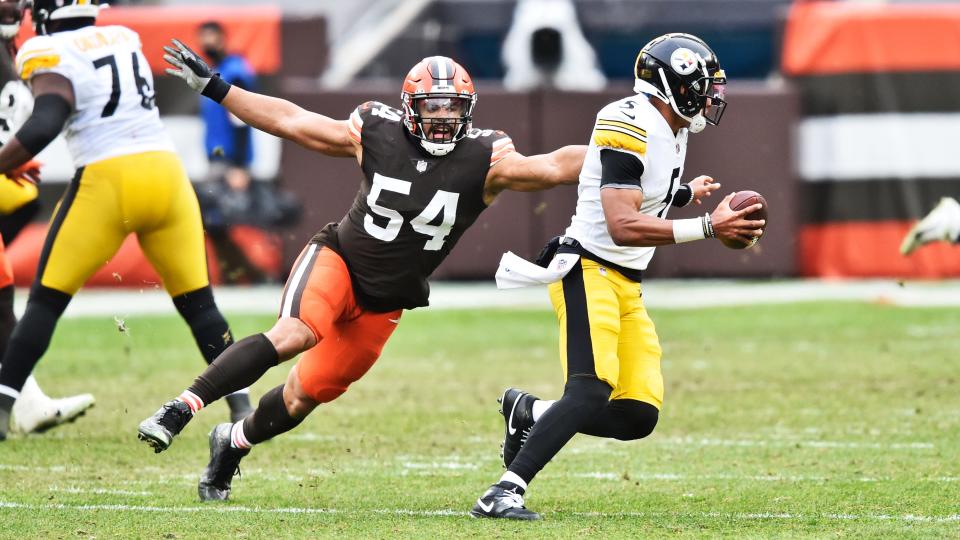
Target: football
{"x": 742, "y": 200}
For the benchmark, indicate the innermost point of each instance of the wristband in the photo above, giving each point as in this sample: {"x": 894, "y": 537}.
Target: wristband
{"x": 688, "y": 230}
{"x": 216, "y": 89}
{"x": 683, "y": 196}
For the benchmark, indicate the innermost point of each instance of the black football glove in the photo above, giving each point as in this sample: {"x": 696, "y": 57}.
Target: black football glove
{"x": 190, "y": 67}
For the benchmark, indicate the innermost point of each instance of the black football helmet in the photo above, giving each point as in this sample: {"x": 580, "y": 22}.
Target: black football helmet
{"x": 45, "y": 11}
{"x": 682, "y": 70}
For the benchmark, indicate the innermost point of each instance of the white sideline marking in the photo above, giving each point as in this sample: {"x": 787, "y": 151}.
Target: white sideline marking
{"x": 101, "y": 491}
{"x": 456, "y": 513}
{"x": 657, "y": 293}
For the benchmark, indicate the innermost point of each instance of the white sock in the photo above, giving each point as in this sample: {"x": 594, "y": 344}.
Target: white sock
{"x": 10, "y": 392}
{"x": 31, "y": 391}
{"x": 240, "y": 392}
{"x": 540, "y": 406}
{"x": 237, "y": 438}
{"x": 513, "y": 478}
{"x": 192, "y": 401}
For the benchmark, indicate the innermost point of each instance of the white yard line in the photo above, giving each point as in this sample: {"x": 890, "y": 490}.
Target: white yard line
{"x": 657, "y": 293}
{"x": 100, "y": 491}
{"x": 455, "y": 513}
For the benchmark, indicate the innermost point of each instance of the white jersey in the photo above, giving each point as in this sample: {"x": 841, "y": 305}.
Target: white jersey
{"x": 634, "y": 126}
{"x": 16, "y": 104}
{"x": 115, "y": 114}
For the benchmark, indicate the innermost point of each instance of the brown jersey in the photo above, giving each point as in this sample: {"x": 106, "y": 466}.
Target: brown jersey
{"x": 411, "y": 209}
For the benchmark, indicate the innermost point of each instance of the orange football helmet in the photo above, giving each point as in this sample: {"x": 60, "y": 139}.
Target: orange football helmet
{"x": 436, "y": 83}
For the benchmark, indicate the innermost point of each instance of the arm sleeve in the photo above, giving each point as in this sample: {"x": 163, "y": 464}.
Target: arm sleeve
{"x": 50, "y": 113}
{"x": 620, "y": 170}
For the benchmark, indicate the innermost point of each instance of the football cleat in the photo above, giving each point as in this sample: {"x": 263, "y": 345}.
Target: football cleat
{"x": 516, "y": 406}
{"x": 159, "y": 430}
{"x": 240, "y": 406}
{"x": 941, "y": 224}
{"x": 501, "y": 502}
{"x": 224, "y": 464}
{"x": 38, "y": 414}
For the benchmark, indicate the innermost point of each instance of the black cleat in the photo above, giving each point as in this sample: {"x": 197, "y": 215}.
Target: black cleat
{"x": 159, "y": 430}
{"x": 224, "y": 463}
{"x": 500, "y": 502}
{"x": 240, "y": 407}
{"x": 516, "y": 406}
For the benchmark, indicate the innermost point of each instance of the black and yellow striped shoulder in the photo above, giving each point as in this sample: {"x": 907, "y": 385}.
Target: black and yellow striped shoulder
{"x": 620, "y": 135}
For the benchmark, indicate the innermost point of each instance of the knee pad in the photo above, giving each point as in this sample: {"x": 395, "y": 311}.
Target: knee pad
{"x": 588, "y": 392}
{"x": 640, "y": 417}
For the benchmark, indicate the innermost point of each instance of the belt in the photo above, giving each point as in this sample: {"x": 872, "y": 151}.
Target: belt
{"x": 571, "y": 245}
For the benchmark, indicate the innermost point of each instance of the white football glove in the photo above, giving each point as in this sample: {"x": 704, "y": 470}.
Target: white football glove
{"x": 189, "y": 66}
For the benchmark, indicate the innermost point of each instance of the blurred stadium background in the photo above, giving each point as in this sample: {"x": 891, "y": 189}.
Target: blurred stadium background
{"x": 841, "y": 114}
{"x": 830, "y": 413}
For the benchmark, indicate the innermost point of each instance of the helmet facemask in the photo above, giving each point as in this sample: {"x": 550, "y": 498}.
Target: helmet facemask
{"x": 439, "y": 120}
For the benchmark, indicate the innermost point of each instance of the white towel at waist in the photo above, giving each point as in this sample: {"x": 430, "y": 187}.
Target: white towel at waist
{"x": 515, "y": 272}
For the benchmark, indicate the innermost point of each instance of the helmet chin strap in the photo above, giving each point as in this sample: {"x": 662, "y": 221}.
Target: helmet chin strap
{"x": 9, "y": 31}
{"x": 697, "y": 121}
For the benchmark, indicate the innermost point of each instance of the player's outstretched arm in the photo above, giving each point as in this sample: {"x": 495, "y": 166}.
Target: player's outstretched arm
{"x": 273, "y": 115}
{"x": 535, "y": 173}
{"x": 53, "y": 105}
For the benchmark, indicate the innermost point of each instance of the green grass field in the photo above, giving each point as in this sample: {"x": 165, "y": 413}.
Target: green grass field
{"x": 805, "y": 420}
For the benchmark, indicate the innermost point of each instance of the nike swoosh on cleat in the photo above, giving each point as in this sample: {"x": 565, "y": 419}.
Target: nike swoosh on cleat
{"x": 484, "y": 507}
{"x": 510, "y": 429}
{"x": 394, "y": 321}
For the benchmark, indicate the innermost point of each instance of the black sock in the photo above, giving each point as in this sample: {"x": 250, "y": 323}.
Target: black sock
{"x": 583, "y": 398}
{"x": 237, "y": 368}
{"x": 623, "y": 419}
{"x": 31, "y": 336}
{"x": 210, "y": 329}
{"x": 270, "y": 419}
{"x": 7, "y": 319}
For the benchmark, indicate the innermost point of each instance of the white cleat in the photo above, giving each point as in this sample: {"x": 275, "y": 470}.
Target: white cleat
{"x": 941, "y": 224}
{"x": 38, "y": 415}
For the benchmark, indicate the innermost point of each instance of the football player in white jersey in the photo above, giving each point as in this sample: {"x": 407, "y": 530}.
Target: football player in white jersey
{"x": 34, "y": 411}
{"x": 608, "y": 345}
{"x": 94, "y": 84}
{"x": 942, "y": 224}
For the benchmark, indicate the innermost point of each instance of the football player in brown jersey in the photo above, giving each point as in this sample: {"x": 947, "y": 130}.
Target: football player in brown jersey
{"x": 428, "y": 174}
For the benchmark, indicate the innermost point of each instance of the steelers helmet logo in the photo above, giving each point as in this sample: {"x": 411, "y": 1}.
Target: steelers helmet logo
{"x": 684, "y": 61}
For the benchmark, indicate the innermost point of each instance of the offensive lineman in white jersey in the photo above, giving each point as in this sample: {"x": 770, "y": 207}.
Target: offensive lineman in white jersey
{"x": 94, "y": 84}
{"x": 608, "y": 345}
{"x": 34, "y": 411}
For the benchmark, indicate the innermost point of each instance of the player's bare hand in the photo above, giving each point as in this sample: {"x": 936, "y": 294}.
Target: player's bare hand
{"x": 28, "y": 173}
{"x": 702, "y": 186}
{"x": 732, "y": 224}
